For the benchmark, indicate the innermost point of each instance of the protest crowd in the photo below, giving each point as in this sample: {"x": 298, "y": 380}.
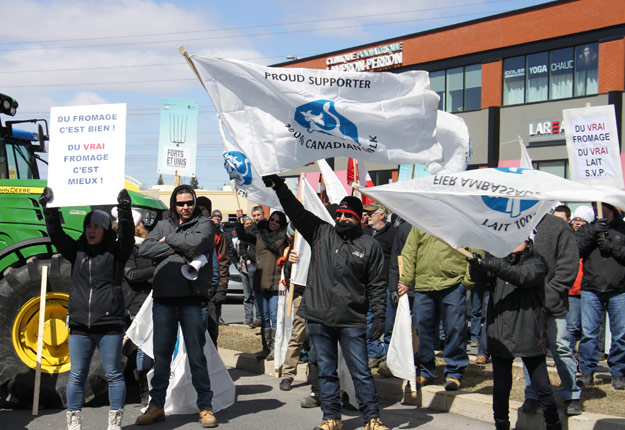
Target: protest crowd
{"x": 548, "y": 297}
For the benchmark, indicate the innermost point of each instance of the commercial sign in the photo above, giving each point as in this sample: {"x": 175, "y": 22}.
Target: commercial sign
{"x": 545, "y": 130}
{"x": 379, "y": 57}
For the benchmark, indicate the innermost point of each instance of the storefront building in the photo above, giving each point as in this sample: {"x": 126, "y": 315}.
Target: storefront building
{"x": 509, "y": 76}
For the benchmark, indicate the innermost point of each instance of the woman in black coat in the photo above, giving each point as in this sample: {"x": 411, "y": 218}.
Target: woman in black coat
{"x": 516, "y": 326}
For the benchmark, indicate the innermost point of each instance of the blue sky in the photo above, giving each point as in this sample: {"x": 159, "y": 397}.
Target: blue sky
{"x": 77, "y": 52}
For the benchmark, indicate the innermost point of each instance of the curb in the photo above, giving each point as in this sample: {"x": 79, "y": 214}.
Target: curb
{"x": 471, "y": 405}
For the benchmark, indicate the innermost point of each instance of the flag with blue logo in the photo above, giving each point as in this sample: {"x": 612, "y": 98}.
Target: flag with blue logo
{"x": 490, "y": 209}
{"x": 283, "y": 118}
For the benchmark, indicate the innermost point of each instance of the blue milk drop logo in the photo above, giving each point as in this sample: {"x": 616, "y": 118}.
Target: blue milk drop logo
{"x": 238, "y": 167}
{"x": 322, "y": 117}
{"x": 514, "y": 207}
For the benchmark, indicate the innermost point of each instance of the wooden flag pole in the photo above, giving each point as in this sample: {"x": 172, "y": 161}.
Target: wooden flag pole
{"x": 40, "y": 335}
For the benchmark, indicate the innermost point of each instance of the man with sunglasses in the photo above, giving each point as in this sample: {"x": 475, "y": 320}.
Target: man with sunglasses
{"x": 345, "y": 275}
{"x": 177, "y": 300}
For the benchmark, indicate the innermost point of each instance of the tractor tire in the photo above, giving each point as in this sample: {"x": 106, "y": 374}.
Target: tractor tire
{"x": 19, "y": 307}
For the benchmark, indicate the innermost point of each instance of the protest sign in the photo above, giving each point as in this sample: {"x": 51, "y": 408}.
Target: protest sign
{"x": 490, "y": 209}
{"x": 177, "y": 143}
{"x": 593, "y": 145}
{"x": 87, "y": 154}
{"x": 285, "y": 118}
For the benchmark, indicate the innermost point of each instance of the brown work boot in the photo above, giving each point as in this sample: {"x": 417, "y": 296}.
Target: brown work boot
{"x": 330, "y": 425}
{"x": 375, "y": 424}
{"x": 150, "y": 416}
{"x": 207, "y": 418}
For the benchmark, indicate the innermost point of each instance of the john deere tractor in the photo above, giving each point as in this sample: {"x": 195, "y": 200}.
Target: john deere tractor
{"x": 24, "y": 249}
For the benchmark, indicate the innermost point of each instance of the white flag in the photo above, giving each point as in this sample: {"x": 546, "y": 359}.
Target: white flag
{"x": 490, "y": 209}
{"x": 285, "y": 118}
{"x": 526, "y": 161}
{"x": 453, "y": 135}
{"x": 400, "y": 356}
{"x": 334, "y": 189}
{"x": 181, "y": 396}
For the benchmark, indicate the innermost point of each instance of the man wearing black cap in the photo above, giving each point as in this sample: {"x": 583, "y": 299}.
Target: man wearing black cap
{"x": 345, "y": 275}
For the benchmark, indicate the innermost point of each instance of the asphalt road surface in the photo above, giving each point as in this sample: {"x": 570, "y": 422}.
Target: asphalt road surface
{"x": 260, "y": 405}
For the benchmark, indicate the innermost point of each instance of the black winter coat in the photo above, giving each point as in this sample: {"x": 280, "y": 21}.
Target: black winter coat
{"x": 345, "y": 273}
{"x": 516, "y": 317}
{"x": 191, "y": 238}
{"x": 385, "y": 237}
{"x": 137, "y": 282}
{"x": 95, "y": 299}
{"x": 602, "y": 273}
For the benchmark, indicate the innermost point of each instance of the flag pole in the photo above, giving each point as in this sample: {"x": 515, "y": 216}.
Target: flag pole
{"x": 462, "y": 251}
{"x": 289, "y": 307}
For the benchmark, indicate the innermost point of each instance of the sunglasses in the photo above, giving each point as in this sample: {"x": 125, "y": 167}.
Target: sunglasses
{"x": 276, "y": 220}
{"x": 345, "y": 214}
{"x": 189, "y": 203}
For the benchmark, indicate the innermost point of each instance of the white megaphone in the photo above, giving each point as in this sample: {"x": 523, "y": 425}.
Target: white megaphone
{"x": 190, "y": 271}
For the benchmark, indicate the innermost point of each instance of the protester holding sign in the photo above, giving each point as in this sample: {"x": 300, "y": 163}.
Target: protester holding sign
{"x": 601, "y": 245}
{"x": 96, "y": 314}
{"x": 516, "y": 326}
{"x": 347, "y": 274}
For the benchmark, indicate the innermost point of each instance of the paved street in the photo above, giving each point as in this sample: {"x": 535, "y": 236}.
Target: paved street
{"x": 260, "y": 405}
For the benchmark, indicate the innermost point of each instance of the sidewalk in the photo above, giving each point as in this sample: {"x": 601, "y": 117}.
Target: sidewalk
{"x": 471, "y": 405}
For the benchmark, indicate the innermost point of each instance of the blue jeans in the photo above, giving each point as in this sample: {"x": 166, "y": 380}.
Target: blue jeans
{"x": 144, "y": 361}
{"x": 450, "y": 307}
{"x": 354, "y": 347}
{"x": 268, "y": 307}
{"x": 593, "y": 304}
{"x": 192, "y": 321}
{"x": 81, "y": 348}
{"x": 558, "y": 337}
{"x": 482, "y": 346}
{"x": 477, "y": 306}
{"x": 574, "y": 320}
{"x": 248, "y": 295}
{"x": 375, "y": 348}
{"x": 389, "y": 322}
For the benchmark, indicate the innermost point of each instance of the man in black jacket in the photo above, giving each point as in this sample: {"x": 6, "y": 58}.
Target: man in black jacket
{"x": 602, "y": 247}
{"x": 345, "y": 275}
{"x": 177, "y": 300}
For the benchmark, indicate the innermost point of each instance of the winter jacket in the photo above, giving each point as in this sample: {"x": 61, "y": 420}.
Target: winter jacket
{"x": 247, "y": 250}
{"x": 603, "y": 273}
{"x": 96, "y": 300}
{"x": 401, "y": 235}
{"x": 270, "y": 246}
{"x": 555, "y": 242}
{"x": 385, "y": 237}
{"x": 432, "y": 265}
{"x": 516, "y": 317}
{"x": 182, "y": 242}
{"x": 137, "y": 282}
{"x": 223, "y": 256}
{"x": 346, "y": 271}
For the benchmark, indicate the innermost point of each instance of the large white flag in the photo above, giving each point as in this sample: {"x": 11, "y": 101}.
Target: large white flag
{"x": 453, "y": 134}
{"x": 334, "y": 189}
{"x": 285, "y": 118}
{"x": 491, "y": 209}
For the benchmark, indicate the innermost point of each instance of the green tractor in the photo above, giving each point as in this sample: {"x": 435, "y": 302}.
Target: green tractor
{"x": 24, "y": 249}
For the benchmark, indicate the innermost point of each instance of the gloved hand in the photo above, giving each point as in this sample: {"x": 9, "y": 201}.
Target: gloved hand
{"x": 394, "y": 298}
{"x": 601, "y": 225}
{"x": 46, "y": 197}
{"x": 377, "y": 328}
{"x": 273, "y": 181}
{"x": 606, "y": 246}
{"x": 220, "y": 296}
{"x": 485, "y": 264}
{"x": 123, "y": 199}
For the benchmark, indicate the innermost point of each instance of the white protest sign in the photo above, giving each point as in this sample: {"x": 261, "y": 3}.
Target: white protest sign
{"x": 593, "y": 145}
{"x": 87, "y": 154}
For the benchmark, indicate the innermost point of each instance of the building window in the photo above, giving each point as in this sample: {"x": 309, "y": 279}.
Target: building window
{"x": 553, "y": 75}
{"x": 561, "y": 74}
{"x": 586, "y": 69}
{"x": 514, "y": 81}
{"x": 459, "y": 89}
{"x": 537, "y": 77}
{"x": 555, "y": 167}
